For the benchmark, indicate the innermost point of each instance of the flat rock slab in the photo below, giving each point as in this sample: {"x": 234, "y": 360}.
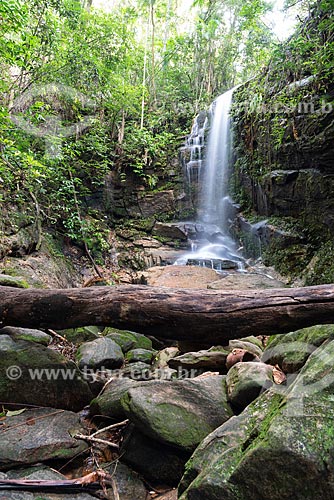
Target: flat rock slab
{"x": 181, "y": 276}
{"x": 38, "y": 435}
{"x": 202, "y": 278}
{"x": 178, "y": 413}
{"x": 244, "y": 281}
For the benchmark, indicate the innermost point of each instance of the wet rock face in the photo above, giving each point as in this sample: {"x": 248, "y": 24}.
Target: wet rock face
{"x": 284, "y": 144}
{"x": 293, "y": 193}
{"x": 174, "y": 231}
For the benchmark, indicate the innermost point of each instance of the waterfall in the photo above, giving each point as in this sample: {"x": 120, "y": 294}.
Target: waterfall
{"x": 210, "y": 238}
{"x": 193, "y": 149}
{"x": 214, "y": 205}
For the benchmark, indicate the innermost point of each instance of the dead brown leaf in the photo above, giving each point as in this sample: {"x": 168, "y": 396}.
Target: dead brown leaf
{"x": 278, "y": 375}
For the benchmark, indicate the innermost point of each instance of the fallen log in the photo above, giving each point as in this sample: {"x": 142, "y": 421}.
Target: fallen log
{"x": 202, "y": 316}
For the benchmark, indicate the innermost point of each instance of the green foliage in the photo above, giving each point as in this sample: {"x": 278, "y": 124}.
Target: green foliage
{"x": 146, "y": 152}
{"x": 139, "y": 73}
{"x": 321, "y": 270}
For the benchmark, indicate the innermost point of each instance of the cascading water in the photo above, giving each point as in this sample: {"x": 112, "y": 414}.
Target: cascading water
{"x": 194, "y": 146}
{"x": 211, "y": 243}
{"x": 216, "y": 177}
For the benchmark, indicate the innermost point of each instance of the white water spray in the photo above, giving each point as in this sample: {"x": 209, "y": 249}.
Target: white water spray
{"x": 216, "y": 207}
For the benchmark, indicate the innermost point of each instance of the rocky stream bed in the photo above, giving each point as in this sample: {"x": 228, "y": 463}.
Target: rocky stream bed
{"x": 139, "y": 419}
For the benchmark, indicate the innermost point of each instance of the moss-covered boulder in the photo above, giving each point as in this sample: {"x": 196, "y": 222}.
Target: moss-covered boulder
{"x": 14, "y": 281}
{"x": 38, "y": 435}
{"x": 108, "y": 403}
{"x": 26, "y": 334}
{"x": 138, "y": 371}
{"x": 291, "y": 351}
{"x": 245, "y": 381}
{"x": 205, "y": 359}
{"x": 100, "y": 353}
{"x": 79, "y": 335}
{"x": 178, "y": 413}
{"x": 128, "y": 340}
{"x": 143, "y": 355}
{"x": 31, "y": 373}
{"x": 281, "y": 447}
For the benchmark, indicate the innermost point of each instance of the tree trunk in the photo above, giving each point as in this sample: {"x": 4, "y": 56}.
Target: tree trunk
{"x": 202, "y": 316}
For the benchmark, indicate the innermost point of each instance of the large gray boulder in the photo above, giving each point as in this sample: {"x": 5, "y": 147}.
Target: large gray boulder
{"x": 100, "y": 353}
{"x": 280, "y": 448}
{"x": 170, "y": 231}
{"x": 178, "y": 413}
{"x": 245, "y": 381}
{"x": 108, "y": 403}
{"x": 33, "y": 374}
{"x": 128, "y": 340}
{"x": 38, "y": 435}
